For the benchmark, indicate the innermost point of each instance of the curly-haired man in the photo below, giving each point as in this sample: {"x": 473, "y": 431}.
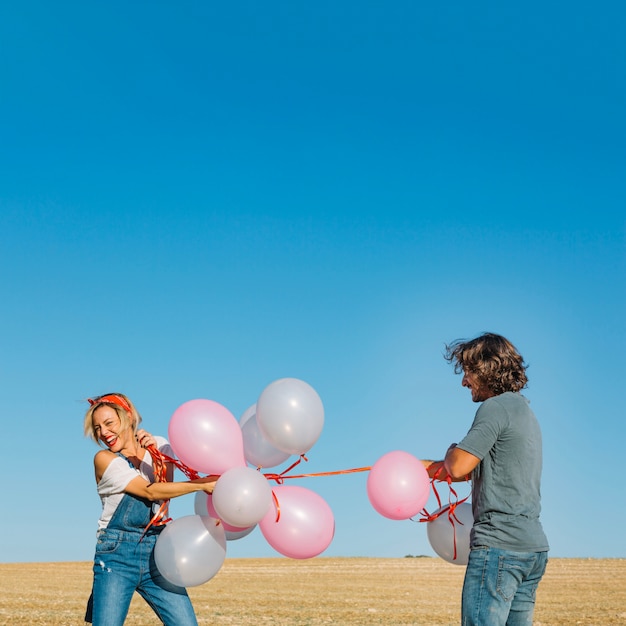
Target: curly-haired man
{"x": 502, "y": 455}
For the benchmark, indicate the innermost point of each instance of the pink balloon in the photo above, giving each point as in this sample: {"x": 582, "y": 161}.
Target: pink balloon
{"x": 398, "y": 485}
{"x": 305, "y": 526}
{"x": 206, "y": 436}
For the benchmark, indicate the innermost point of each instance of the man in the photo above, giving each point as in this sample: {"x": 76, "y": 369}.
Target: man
{"x": 502, "y": 455}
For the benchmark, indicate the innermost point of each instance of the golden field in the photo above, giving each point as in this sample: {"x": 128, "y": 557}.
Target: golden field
{"x": 340, "y": 591}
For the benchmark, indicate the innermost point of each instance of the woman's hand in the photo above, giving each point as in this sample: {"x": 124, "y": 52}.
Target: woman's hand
{"x": 145, "y": 439}
{"x": 207, "y": 482}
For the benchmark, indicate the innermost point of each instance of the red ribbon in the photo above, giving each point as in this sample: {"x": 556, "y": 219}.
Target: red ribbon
{"x": 280, "y": 478}
{"x": 160, "y": 460}
{"x": 449, "y": 508}
{"x": 159, "y": 465}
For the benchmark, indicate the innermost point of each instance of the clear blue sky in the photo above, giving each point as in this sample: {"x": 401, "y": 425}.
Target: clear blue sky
{"x": 199, "y": 198}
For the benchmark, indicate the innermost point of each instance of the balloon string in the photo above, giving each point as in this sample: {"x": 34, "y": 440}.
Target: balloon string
{"x": 159, "y": 465}
{"x": 277, "y": 505}
{"x": 335, "y": 473}
{"x": 450, "y": 508}
{"x": 280, "y": 478}
{"x": 158, "y": 519}
{"x": 160, "y": 460}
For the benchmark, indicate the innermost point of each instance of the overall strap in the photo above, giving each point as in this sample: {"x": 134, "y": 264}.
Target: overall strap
{"x": 132, "y": 513}
{"x": 130, "y": 463}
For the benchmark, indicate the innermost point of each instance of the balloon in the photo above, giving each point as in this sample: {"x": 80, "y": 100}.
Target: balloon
{"x": 305, "y": 526}
{"x": 247, "y": 414}
{"x": 441, "y": 533}
{"x": 242, "y": 496}
{"x": 190, "y": 550}
{"x": 203, "y": 504}
{"x": 398, "y": 485}
{"x": 257, "y": 450}
{"x": 206, "y": 436}
{"x": 290, "y": 415}
{"x": 233, "y": 535}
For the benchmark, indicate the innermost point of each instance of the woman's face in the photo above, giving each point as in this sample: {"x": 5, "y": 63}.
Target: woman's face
{"x": 108, "y": 428}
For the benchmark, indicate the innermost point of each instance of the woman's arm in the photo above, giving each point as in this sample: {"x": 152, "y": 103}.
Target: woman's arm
{"x": 154, "y": 492}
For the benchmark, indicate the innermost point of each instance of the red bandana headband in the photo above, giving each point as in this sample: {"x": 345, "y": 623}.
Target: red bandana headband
{"x": 112, "y": 398}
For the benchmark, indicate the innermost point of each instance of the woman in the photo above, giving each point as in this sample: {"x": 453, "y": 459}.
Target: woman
{"x": 133, "y": 504}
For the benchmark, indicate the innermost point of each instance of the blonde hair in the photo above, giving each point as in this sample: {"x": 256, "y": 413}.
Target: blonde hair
{"x": 121, "y": 404}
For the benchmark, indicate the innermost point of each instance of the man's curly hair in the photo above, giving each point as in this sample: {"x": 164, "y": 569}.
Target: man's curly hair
{"x": 493, "y": 359}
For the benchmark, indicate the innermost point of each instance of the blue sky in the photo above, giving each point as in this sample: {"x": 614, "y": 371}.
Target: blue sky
{"x": 198, "y": 199}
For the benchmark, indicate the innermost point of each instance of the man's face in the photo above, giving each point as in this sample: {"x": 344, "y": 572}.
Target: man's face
{"x": 479, "y": 392}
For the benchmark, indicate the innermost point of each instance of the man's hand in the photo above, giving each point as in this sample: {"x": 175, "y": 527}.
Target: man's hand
{"x": 436, "y": 470}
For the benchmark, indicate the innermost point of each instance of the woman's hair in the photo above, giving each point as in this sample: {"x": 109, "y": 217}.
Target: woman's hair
{"x": 493, "y": 359}
{"x": 128, "y": 414}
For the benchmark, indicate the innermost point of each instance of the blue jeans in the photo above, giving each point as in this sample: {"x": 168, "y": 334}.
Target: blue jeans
{"x": 500, "y": 586}
{"x": 124, "y": 563}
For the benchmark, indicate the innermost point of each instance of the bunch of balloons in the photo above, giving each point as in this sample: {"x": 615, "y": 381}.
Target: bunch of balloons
{"x": 286, "y": 420}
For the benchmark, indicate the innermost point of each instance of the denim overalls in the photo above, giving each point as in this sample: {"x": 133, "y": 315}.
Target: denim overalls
{"x": 124, "y": 563}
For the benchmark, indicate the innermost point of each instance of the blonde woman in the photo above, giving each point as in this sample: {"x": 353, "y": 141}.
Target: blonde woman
{"x": 132, "y": 498}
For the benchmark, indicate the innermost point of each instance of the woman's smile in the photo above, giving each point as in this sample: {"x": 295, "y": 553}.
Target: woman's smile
{"x": 106, "y": 425}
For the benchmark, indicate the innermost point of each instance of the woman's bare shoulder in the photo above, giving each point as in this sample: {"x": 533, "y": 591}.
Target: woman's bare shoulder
{"x": 101, "y": 461}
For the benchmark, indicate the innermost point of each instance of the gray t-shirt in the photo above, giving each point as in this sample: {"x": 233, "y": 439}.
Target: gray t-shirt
{"x": 506, "y": 495}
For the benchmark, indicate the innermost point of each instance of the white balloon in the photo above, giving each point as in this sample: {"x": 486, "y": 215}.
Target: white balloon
{"x": 233, "y": 535}
{"x": 203, "y": 505}
{"x": 257, "y": 450}
{"x": 242, "y": 496}
{"x": 200, "y": 503}
{"x": 441, "y": 533}
{"x": 247, "y": 414}
{"x": 190, "y": 550}
{"x": 290, "y": 415}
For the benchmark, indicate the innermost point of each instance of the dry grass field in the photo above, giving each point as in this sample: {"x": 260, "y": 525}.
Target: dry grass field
{"x": 339, "y": 591}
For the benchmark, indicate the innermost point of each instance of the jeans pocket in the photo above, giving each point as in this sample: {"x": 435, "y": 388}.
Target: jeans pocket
{"x": 107, "y": 541}
{"x": 512, "y": 570}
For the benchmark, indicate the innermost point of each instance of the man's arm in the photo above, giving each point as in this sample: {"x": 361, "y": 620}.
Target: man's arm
{"x": 459, "y": 463}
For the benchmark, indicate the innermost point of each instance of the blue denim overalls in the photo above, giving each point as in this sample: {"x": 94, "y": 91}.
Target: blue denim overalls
{"x": 124, "y": 563}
